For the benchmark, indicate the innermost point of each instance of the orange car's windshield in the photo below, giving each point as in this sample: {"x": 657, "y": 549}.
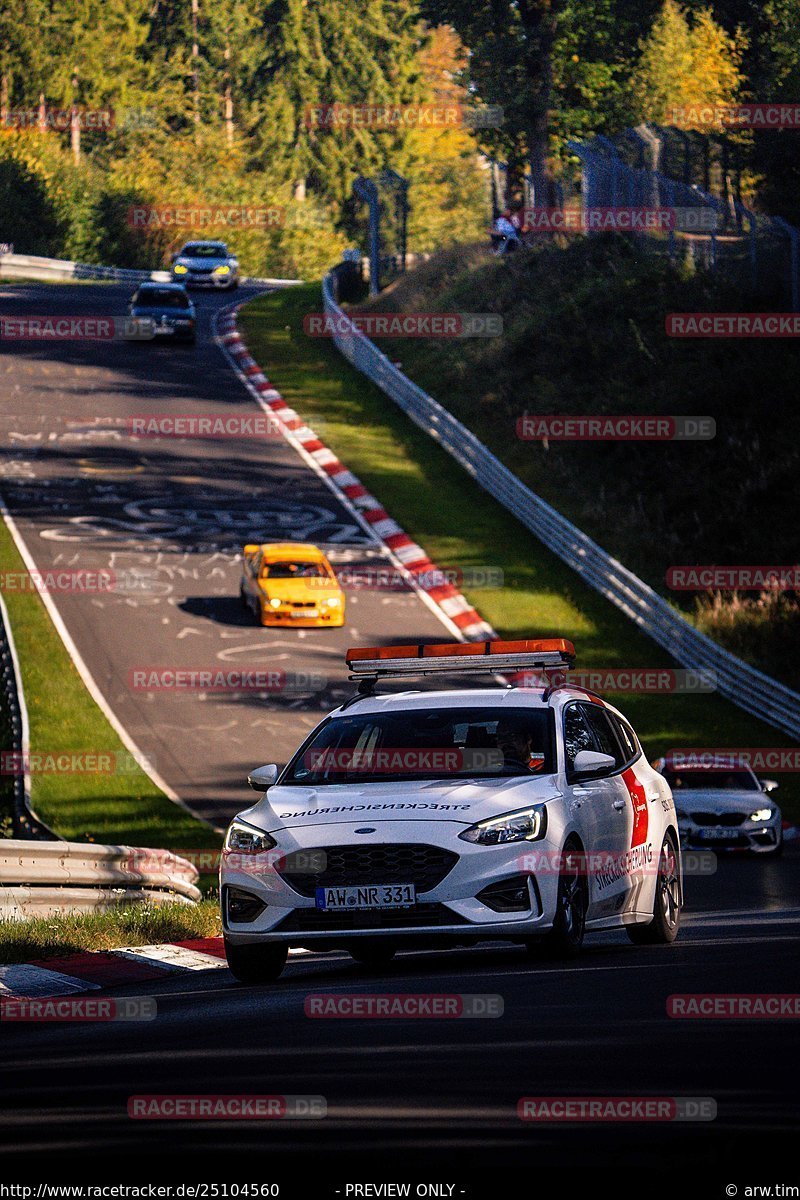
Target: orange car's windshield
{"x": 294, "y": 570}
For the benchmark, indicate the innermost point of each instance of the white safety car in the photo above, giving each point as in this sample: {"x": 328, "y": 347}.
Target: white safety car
{"x": 446, "y": 817}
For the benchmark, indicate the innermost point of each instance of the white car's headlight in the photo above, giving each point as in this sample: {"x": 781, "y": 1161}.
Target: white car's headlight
{"x": 527, "y": 825}
{"x": 275, "y": 602}
{"x": 223, "y": 270}
{"x": 333, "y": 601}
{"x": 247, "y": 839}
{"x": 762, "y": 814}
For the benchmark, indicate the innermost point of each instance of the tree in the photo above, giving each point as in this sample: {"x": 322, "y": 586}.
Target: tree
{"x": 690, "y": 64}
{"x": 510, "y": 45}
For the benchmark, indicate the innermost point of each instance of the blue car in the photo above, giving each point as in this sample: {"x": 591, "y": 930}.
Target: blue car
{"x": 162, "y": 310}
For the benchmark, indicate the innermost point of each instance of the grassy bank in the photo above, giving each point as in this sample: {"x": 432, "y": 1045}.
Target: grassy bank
{"x": 584, "y": 334}
{"x": 461, "y": 527}
{"x": 123, "y": 807}
{"x": 139, "y": 925}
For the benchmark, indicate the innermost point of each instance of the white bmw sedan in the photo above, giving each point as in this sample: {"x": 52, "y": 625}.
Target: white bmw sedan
{"x": 440, "y": 818}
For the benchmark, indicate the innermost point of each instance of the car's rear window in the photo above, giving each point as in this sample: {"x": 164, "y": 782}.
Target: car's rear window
{"x": 424, "y": 744}
{"x": 734, "y": 781}
{"x": 161, "y": 298}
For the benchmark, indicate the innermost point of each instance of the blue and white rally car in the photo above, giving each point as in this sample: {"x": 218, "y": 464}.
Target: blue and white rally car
{"x": 448, "y": 817}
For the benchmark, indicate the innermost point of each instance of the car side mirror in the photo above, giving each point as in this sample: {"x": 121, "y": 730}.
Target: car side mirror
{"x": 768, "y": 785}
{"x": 590, "y": 764}
{"x": 263, "y": 778}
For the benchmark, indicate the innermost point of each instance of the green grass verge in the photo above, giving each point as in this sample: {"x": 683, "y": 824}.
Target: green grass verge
{"x": 107, "y": 808}
{"x": 461, "y": 527}
{"x": 139, "y": 925}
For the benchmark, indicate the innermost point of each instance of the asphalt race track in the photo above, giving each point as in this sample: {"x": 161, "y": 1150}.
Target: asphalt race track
{"x": 430, "y": 1099}
{"x": 403, "y": 1093}
{"x": 169, "y": 516}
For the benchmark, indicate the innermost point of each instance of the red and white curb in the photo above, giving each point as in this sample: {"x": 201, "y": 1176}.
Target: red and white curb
{"x": 422, "y": 574}
{"x": 95, "y": 970}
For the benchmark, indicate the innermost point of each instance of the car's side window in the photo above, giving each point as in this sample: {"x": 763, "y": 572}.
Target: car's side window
{"x": 598, "y": 721}
{"x": 627, "y": 738}
{"x": 578, "y": 734}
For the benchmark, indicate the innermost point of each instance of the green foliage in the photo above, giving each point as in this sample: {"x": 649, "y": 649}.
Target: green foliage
{"x": 230, "y": 124}
{"x": 687, "y": 62}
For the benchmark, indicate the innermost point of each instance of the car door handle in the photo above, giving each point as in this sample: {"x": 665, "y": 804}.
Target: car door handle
{"x": 619, "y": 804}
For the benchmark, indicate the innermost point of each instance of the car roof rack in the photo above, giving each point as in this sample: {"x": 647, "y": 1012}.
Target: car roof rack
{"x": 369, "y": 664}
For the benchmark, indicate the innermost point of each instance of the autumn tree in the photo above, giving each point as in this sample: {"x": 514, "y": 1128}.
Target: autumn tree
{"x": 689, "y": 64}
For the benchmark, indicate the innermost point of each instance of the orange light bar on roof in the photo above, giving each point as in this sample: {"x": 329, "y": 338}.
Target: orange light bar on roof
{"x": 425, "y": 659}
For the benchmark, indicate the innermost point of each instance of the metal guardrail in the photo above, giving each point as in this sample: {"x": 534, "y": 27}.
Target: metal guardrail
{"x": 41, "y": 877}
{"x": 25, "y": 822}
{"x": 33, "y": 266}
{"x": 738, "y": 682}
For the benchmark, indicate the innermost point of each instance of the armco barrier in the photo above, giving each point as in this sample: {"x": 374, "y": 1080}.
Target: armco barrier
{"x": 16, "y": 731}
{"x": 740, "y": 683}
{"x": 38, "y": 878}
{"x": 32, "y": 266}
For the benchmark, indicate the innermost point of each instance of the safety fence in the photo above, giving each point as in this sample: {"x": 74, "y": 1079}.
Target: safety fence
{"x": 745, "y": 686}
{"x": 718, "y": 232}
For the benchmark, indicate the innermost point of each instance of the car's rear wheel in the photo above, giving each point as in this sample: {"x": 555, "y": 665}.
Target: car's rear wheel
{"x": 256, "y": 964}
{"x": 667, "y": 905}
{"x": 565, "y": 939}
{"x": 374, "y": 955}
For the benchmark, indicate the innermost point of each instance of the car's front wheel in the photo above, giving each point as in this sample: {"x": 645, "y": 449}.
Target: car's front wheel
{"x": 667, "y": 905}
{"x": 565, "y": 939}
{"x": 256, "y": 964}
{"x": 374, "y": 955}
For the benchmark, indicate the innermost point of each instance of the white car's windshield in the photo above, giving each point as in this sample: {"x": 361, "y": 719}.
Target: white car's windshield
{"x": 205, "y": 250}
{"x": 729, "y": 781}
{"x": 422, "y": 744}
